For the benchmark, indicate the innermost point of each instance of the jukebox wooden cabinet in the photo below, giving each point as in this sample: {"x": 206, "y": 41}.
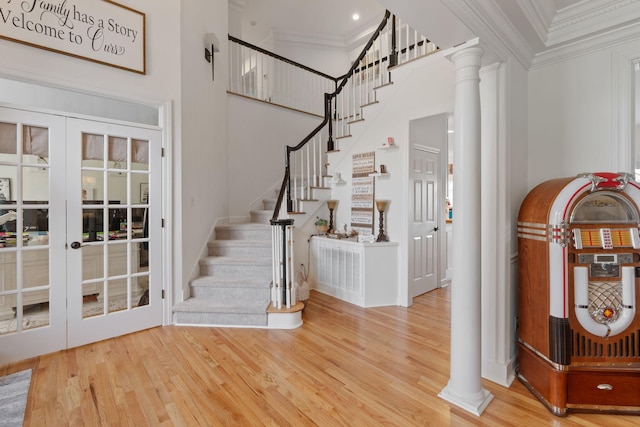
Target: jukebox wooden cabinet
{"x": 578, "y": 322}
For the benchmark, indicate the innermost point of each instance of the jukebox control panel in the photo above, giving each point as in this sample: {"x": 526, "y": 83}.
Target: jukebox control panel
{"x": 605, "y": 265}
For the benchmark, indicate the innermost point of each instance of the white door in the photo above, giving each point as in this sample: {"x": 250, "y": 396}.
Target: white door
{"x": 113, "y": 226}
{"x": 52, "y": 198}
{"x": 423, "y": 220}
{"x": 32, "y": 235}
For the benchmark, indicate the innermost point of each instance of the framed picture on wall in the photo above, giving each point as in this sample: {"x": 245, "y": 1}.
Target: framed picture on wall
{"x": 144, "y": 192}
{"x": 5, "y": 189}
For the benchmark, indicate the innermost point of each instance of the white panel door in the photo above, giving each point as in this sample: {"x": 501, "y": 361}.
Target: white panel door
{"x": 113, "y": 230}
{"x": 32, "y": 234}
{"x": 423, "y": 220}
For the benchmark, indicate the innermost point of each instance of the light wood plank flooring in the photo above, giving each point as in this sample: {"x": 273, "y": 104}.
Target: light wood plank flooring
{"x": 346, "y": 366}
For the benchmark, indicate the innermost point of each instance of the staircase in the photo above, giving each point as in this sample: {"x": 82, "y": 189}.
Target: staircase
{"x": 234, "y": 286}
{"x": 236, "y": 282}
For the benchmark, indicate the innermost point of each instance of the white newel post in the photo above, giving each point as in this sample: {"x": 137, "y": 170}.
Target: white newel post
{"x": 464, "y": 388}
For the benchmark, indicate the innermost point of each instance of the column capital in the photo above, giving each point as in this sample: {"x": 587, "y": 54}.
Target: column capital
{"x": 472, "y": 54}
{"x": 467, "y": 63}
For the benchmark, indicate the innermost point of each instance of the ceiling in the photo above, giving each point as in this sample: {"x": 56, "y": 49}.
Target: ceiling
{"x": 531, "y": 27}
{"x": 329, "y": 20}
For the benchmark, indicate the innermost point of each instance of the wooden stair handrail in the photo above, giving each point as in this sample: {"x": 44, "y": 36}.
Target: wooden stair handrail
{"x": 327, "y": 119}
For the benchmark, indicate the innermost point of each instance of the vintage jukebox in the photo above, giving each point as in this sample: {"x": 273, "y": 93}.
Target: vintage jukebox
{"x": 579, "y": 269}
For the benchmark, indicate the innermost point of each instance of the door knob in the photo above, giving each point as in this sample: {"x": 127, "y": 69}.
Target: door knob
{"x": 435, "y": 228}
{"x": 75, "y": 245}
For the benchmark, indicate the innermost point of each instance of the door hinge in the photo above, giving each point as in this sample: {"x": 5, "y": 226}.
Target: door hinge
{"x": 163, "y": 294}
{"x": 162, "y": 222}
{"x": 162, "y": 151}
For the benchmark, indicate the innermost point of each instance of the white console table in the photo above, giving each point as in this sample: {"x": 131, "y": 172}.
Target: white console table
{"x": 364, "y": 274}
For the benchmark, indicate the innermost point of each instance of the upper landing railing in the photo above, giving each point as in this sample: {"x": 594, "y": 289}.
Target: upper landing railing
{"x": 262, "y": 75}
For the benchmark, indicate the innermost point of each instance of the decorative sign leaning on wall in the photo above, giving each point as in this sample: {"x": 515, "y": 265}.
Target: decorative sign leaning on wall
{"x": 362, "y": 192}
{"x": 97, "y": 30}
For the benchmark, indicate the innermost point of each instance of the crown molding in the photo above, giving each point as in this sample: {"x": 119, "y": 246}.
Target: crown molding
{"x": 295, "y": 38}
{"x": 351, "y": 41}
{"x": 590, "y": 17}
{"x": 585, "y": 46}
{"x": 575, "y": 30}
{"x": 540, "y": 14}
{"x": 491, "y": 25}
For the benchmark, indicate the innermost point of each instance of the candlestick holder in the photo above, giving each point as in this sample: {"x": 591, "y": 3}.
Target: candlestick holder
{"x": 332, "y": 205}
{"x": 381, "y": 205}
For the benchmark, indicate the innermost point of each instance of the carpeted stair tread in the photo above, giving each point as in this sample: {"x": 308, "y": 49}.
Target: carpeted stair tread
{"x": 261, "y": 216}
{"x": 240, "y": 248}
{"x": 240, "y": 282}
{"x": 195, "y": 305}
{"x": 243, "y": 226}
{"x": 244, "y": 231}
{"x": 236, "y": 260}
{"x": 238, "y": 242}
{"x": 269, "y": 204}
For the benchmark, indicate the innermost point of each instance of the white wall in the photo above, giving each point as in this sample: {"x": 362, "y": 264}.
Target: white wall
{"x": 515, "y": 140}
{"x": 53, "y": 98}
{"x": 331, "y": 61}
{"x": 202, "y": 192}
{"x": 258, "y": 133}
{"x": 571, "y": 116}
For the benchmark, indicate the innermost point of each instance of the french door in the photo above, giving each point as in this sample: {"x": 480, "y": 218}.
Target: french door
{"x": 113, "y": 230}
{"x": 80, "y": 232}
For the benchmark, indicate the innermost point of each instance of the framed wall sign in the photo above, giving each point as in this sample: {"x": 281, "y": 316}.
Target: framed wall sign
{"x": 362, "y": 192}
{"x": 101, "y": 31}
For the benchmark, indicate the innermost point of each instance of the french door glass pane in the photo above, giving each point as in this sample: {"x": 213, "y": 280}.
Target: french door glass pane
{"x": 35, "y": 310}
{"x": 24, "y": 245}
{"x": 118, "y": 300}
{"x": 91, "y": 305}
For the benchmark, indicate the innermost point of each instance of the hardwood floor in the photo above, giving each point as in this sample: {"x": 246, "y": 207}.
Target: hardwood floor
{"x": 345, "y": 366}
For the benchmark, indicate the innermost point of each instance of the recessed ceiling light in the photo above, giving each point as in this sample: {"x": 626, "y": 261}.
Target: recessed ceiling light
{"x": 355, "y": 17}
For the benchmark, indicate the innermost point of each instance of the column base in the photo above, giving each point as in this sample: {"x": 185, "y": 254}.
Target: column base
{"x": 476, "y": 404}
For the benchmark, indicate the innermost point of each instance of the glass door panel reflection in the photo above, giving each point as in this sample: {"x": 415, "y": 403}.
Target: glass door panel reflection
{"x": 113, "y": 223}
{"x": 24, "y": 244}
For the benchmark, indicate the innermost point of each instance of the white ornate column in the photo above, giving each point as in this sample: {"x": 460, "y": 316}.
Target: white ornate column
{"x": 464, "y": 388}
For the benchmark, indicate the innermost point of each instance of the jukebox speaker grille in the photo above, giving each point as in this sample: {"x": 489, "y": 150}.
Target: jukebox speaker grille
{"x": 585, "y": 346}
{"x": 605, "y": 301}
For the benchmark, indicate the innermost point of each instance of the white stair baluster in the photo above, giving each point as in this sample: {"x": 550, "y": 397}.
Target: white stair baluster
{"x": 295, "y": 182}
{"x": 290, "y": 266}
{"x": 274, "y": 273}
{"x": 407, "y": 55}
{"x": 314, "y": 161}
{"x": 308, "y": 174}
